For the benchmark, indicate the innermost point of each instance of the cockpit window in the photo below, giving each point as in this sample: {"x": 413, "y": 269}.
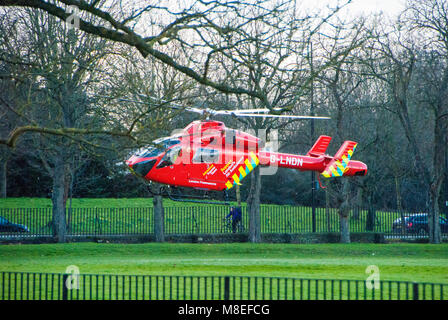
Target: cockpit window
{"x": 162, "y": 145}
{"x": 170, "y": 157}
{"x": 166, "y": 143}
{"x": 204, "y": 155}
{"x": 148, "y": 152}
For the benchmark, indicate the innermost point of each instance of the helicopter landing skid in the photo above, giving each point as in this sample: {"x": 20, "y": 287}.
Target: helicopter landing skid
{"x": 187, "y": 198}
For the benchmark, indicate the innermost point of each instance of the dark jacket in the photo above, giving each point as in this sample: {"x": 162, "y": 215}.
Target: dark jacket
{"x": 235, "y": 214}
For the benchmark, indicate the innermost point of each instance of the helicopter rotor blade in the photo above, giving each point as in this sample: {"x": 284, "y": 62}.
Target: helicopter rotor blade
{"x": 236, "y": 112}
{"x": 195, "y": 110}
{"x": 282, "y": 116}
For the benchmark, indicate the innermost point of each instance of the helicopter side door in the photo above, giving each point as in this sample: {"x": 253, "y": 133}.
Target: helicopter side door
{"x": 205, "y": 167}
{"x": 171, "y": 169}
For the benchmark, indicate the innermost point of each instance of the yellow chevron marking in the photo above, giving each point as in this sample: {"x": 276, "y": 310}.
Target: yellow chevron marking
{"x": 350, "y": 153}
{"x": 340, "y": 166}
{"x": 242, "y": 171}
{"x": 248, "y": 164}
{"x": 236, "y": 179}
{"x": 254, "y": 157}
{"x": 326, "y": 174}
{"x": 335, "y": 172}
{"x": 229, "y": 185}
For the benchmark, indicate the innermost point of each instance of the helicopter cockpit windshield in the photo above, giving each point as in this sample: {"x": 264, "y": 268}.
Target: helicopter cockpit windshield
{"x": 148, "y": 152}
{"x": 170, "y": 157}
{"x": 145, "y": 159}
{"x": 159, "y": 146}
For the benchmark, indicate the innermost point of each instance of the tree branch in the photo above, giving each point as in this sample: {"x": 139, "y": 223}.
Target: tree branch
{"x": 124, "y": 35}
{"x": 16, "y": 133}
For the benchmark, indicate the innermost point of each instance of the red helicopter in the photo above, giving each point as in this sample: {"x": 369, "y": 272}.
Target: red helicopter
{"x": 207, "y": 155}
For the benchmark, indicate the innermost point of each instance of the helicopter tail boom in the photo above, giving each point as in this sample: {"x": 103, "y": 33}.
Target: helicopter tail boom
{"x": 316, "y": 160}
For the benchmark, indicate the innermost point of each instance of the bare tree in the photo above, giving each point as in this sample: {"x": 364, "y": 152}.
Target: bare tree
{"x": 186, "y": 25}
{"x": 149, "y": 85}
{"x": 340, "y": 82}
{"x": 431, "y": 17}
{"x": 269, "y": 57}
{"x": 61, "y": 60}
{"x": 399, "y": 55}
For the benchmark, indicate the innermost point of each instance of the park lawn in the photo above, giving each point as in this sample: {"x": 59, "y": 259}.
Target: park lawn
{"x": 397, "y": 262}
{"x": 87, "y": 203}
{"x": 25, "y": 202}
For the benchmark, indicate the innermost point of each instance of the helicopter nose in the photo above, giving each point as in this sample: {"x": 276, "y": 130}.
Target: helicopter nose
{"x": 141, "y": 168}
{"x": 131, "y": 161}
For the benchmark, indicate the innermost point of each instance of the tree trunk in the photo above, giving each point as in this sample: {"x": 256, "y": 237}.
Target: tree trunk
{"x": 159, "y": 229}
{"x": 4, "y": 156}
{"x": 327, "y": 209}
{"x": 358, "y": 205}
{"x": 435, "y": 187}
{"x": 344, "y": 215}
{"x": 253, "y": 202}
{"x": 433, "y": 217}
{"x": 3, "y": 171}
{"x": 370, "y": 223}
{"x": 398, "y": 193}
{"x": 59, "y": 199}
{"x": 344, "y": 226}
{"x": 238, "y": 195}
{"x": 371, "y": 218}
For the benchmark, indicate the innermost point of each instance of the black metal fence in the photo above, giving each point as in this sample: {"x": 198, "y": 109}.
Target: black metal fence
{"x": 205, "y": 220}
{"x": 51, "y": 286}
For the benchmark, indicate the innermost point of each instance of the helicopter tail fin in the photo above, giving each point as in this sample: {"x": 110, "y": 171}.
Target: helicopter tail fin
{"x": 339, "y": 166}
{"x": 319, "y": 147}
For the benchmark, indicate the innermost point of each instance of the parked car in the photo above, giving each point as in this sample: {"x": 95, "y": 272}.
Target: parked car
{"x": 7, "y": 226}
{"x": 417, "y": 224}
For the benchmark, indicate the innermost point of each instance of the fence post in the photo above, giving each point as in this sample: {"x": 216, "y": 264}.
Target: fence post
{"x": 226, "y": 288}
{"x": 64, "y": 287}
{"x": 415, "y": 290}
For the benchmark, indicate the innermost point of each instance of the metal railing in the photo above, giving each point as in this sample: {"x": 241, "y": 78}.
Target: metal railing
{"x": 52, "y": 286}
{"x": 203, "y": 220}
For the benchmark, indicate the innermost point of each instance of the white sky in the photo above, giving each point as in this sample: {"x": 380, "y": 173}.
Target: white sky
{"x": 357, "y": 7}
{"x": 392, "y": 7}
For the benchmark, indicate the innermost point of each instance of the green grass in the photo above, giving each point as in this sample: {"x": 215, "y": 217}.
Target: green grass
{"x": 88, "y": 203}
{"x": 396, "y": 262}
{"x": 404, "y": 262}
{"x": 25, "y": 202}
